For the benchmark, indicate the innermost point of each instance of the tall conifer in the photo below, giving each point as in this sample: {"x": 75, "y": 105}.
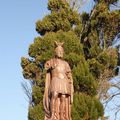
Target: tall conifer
{"x": 87, "y": 39}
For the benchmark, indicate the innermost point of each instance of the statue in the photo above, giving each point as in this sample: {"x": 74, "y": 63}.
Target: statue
{"x": 58, "y": 95}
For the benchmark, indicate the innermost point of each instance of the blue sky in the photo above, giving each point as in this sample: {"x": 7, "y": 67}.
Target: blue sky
{"x": 17, "y": 31}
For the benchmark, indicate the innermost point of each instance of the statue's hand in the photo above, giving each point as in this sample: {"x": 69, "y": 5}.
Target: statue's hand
{"x": 47, "y": 65}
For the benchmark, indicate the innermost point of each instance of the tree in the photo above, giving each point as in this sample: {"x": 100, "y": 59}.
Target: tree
{"x": 76, "y": 4}
{"x": 87, "y": 39}
{"x": 104, "y": 24}
{"x": 112, "y": 91}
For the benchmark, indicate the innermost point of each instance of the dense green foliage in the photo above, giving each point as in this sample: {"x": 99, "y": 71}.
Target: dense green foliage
{"x": 89, "y": 108}
{"x": 88, "y": 60}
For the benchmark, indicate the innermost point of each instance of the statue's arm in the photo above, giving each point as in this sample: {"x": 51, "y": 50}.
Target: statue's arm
{"x": 71, "y": 85}
{"x": 47, "y": 85}
{"x": 70, "y": 80}
{"x": 50, "y": 64}
{"x": 69, "y": 73}
{"x": 47, "y": 65}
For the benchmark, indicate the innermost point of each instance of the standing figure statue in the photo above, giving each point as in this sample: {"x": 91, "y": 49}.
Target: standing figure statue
{"x": 58, "y": 95}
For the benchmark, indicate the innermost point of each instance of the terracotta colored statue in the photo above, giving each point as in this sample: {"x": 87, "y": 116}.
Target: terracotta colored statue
{"x": 58, "y": 94}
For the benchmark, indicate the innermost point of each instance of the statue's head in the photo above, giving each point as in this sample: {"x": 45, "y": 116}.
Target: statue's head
{"x": 59, "y": 51}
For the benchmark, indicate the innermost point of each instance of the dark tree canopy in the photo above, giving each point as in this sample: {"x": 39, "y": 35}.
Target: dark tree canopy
{"x": 87, "y": 39}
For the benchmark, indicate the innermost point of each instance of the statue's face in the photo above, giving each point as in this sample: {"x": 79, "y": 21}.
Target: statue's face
{"x": 59, "y": 52}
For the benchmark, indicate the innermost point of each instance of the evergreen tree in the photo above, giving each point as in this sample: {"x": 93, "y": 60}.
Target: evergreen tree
{"x": 87, "y": 38}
